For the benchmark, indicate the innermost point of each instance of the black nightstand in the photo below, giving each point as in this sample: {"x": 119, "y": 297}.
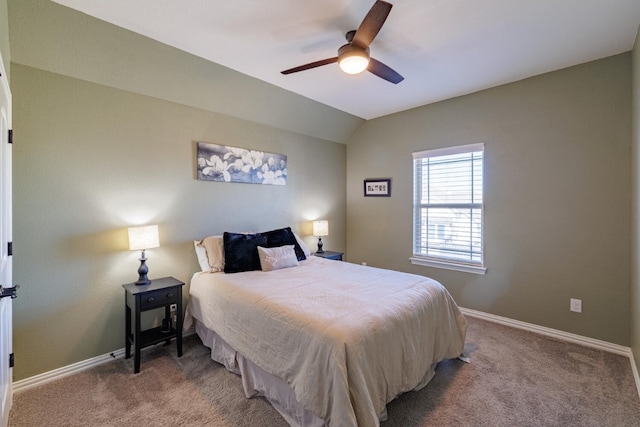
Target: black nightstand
{"x": 159, "y": 293}
{"x": 330, "y": 255}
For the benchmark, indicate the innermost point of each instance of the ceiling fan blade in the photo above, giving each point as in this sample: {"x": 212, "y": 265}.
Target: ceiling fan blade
{"x": 372, "y": 23}
{"x": 310, "y": 65}
{"x": 383, "y": 71}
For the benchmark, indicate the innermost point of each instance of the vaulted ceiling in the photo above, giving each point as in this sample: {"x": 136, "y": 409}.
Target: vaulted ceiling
{"x": 443, "y": 48}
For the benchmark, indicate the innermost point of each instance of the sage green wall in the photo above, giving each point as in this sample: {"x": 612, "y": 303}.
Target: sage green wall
{"x": 91, "y": 160}
{"x": 557, "y": 195}
{"x": 48, "y": 36}
{"x": 635, "y": 253}
{"x": 105, "y": 122}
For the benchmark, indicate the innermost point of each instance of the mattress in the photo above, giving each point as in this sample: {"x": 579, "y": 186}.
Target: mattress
{"x": 346, "y": 339}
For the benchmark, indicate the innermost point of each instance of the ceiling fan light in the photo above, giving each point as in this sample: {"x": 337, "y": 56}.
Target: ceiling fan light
{"x": 354, "y": 64}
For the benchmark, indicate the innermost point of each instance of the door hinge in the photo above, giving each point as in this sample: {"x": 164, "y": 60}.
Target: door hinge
{"x": 10, "y": 136}
{"x": 11, "y": 360}
{"x": 10, "y": 248}
{"x": 9, "y": 292}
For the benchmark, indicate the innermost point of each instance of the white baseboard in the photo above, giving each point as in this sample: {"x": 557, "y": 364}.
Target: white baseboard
{"x": 554, "y": 333}
{"x": 561, "y": 335}
{"x": 45, "y": 377}
{"x": 56, "y": 374}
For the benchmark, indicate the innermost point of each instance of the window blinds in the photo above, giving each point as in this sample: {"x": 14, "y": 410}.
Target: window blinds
{"x": 448, "y": 204}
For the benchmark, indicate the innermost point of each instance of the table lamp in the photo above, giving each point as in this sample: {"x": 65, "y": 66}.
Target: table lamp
{"x": 142, "y": 238}
{"x": 320, "y": 229}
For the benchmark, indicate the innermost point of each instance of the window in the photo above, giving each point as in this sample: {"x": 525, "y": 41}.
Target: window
{"x": 447, "y": 208}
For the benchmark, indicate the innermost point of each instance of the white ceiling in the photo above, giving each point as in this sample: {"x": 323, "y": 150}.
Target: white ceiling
{"x": 443, "y": 48}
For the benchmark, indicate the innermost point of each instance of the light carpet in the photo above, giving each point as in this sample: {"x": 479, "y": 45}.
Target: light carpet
{"x": 515, "y": 378}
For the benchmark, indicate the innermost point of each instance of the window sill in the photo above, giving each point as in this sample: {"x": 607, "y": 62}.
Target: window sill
{"x": 430, "y": 262}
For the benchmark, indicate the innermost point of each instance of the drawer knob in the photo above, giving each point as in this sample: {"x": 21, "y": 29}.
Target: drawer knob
{"x": 151, "y": 299}
{"x": 169, "y": 295}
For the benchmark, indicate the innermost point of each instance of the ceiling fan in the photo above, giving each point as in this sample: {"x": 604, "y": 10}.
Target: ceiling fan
{"x": 353, "y": 57}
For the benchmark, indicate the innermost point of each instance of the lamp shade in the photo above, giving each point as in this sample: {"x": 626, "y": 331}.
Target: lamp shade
{"x": 144, "y": 237}
{"x": 320, "y": 228}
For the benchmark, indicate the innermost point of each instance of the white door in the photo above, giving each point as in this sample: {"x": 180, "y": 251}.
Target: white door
{"x": 5, "y": 238}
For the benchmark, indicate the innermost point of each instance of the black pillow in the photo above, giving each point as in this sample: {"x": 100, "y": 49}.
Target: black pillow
{"x": 284, "y": 236}
{"x": 241, "y": 251}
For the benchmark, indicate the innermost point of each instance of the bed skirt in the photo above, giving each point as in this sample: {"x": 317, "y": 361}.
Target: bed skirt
{"x": 257, "y": 382}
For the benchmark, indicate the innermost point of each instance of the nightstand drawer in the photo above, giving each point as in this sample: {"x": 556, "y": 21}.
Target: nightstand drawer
{"x": 159, "y": 298}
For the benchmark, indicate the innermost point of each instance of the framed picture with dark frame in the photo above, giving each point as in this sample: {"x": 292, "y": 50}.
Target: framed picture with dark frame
{"x": 377, "y": 187}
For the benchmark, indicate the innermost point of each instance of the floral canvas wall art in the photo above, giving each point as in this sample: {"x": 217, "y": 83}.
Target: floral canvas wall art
{"x": 231, "y": 164}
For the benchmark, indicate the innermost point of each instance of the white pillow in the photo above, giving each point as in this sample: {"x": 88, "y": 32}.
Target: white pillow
{"x": 214, "y": 246}
{"x": 303, "y": 246}
{"x": 277, "y": 258}
{"x": 201, "y": 253}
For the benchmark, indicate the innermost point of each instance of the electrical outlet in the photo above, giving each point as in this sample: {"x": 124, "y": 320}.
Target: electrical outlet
{"x": 364, "y": 263}
{"x": 575, "y": 305}
{"x": 173, "y": 307}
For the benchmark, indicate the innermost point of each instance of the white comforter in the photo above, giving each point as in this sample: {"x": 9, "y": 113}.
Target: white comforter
{"x": 347, "y": 339}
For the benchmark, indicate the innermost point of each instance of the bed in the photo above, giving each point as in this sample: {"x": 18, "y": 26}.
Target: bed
{"x": 326, "y": 342}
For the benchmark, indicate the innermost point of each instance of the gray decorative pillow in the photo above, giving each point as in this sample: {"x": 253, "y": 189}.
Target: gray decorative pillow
{"x": 278, "y": 257}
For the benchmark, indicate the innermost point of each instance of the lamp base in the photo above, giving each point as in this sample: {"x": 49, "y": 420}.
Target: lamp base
{"x": 142, "y": 272}
{"x": 319, "y": 251}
